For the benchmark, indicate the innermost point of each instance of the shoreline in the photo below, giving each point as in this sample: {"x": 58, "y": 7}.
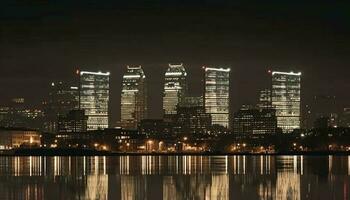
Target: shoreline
{"x": 88, "y": 152}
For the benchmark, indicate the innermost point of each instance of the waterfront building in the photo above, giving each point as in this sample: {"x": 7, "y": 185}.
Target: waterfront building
{"x": 191, "y": 117}
{"x": 254, "y": 122}
{"x": 94, "y": 98}
{"x": 11, "y": 138}
{"x": 285, "y": 98}
{"x": 175, "y": 87}
{"x": 216, "y": 94}
{"x": 133, "y": 97}
{"x": 74, "y": 121}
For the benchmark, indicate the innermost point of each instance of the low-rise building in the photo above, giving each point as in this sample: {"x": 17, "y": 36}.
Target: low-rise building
{"x": 11, "y": 138}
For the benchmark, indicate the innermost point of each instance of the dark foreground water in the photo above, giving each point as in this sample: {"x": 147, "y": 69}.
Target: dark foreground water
{"x": 175, "y": 177}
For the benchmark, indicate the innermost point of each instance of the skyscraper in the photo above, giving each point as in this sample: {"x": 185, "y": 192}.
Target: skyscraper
{"x": 174, "y": 87}
{"x": 62, "y": 98}
{"x": 216, "y": 94}
{"x": 94, "y": 98}
{"x": 133, "y": 97}
{"x": 285, "y": 98}
{"x": 265, "y": 99}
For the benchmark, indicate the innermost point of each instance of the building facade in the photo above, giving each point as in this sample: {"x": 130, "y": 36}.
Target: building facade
{"x": 133, "y": 97}
{"x": 11, "y": 138}
{"x": 94, "y": 98}
{"x": 74, "y": 121}
{"x": 191, "y": 117}
{"x": 175, "y": 88}
{"x": 216, "y": 95}
{"x": 18, "y": 114}
{"x": 285, "y": 98}
{"x": 265, "y": 99}
{"x": 254, "y": 122}
{"x": 62, "y": 98}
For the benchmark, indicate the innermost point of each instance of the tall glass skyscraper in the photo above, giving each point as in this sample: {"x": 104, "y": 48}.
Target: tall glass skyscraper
{"x": 285, "y": 98}
{"x": 216, "y": 94}
{"x": 175, "y": 87}
{"x": 133, "y": 97}
{"x": 94, "y": 98}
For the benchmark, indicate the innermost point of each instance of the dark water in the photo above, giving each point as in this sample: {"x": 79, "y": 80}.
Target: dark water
{"x": 175, "y": 177}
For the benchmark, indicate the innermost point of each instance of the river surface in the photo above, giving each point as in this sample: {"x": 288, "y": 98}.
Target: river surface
{"x": 175, "y": 177}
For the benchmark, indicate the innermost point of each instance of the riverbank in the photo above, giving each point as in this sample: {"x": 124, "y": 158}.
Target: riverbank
{"x": 91, "y": 152}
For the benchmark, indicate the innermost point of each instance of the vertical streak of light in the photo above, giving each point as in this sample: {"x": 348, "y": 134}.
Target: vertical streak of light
{"x": 302, "y": 165}
{"x": 69, "y": 165}
{"x": 40, "y": 166}
{"x": 96, "y": 165}
{"x": 238, "y": 164}
{"x": 201, "y": 164}
{"x": 177, "y": 164}
{"x": 226, "y": 163}
{"x": 244, "y": 160}
{"x": 84, "y": 165}
{"x": 295, "y": 164}
{"x": 261, "y": 165}
{"x": 349, "y": 165}
{"x": 269, "y": 166}
{"x": 234, "y": 164}
{"x": 104, "y": 165}
{"x": 128, "y": 166}
{"x": 45, "y": 165}
{"x": 55, "y": 165}
{"x": 184, "y": 165}
{"x": 30, "y": 165}
{"x": 330, "y": 163}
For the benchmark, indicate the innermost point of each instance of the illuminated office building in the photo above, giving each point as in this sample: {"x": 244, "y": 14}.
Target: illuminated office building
{"x": 133, "y": 97}
{"x": 265, "y": 99}
{"x": 285, "y": 98}
{"x": 94, "y": 98}
{"x": 174, "y": 88}
{"x": 216, "y": 95}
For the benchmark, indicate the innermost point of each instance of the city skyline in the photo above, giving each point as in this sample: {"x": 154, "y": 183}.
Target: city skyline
{"x": 250, "y": 38}
{"x": 174, "y": 99}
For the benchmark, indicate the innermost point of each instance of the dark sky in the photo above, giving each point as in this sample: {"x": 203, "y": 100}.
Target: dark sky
{"x": 43, "y": 41}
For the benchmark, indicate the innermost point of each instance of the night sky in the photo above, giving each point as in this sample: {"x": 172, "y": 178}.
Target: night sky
{"x": 43, "y": 41}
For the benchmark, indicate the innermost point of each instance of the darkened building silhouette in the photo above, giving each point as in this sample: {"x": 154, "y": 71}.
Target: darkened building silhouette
{"x": 191, "y": 117}
{"x": 324, "y": 107}
{"x": 17, "y": 114}
{"x": 73, "y": 121}
{"x": 253, "y": 122}
{"x": 345, "y": 118}
{"x": 155, "y": 127}
{"x": 62, "y": 98}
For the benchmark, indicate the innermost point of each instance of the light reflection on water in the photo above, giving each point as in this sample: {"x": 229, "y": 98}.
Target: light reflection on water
{"x": 175, "y": 177}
